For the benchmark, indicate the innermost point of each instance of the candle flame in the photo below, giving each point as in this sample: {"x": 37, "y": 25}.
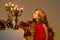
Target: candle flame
{"x": 21, "y": 8}
{"x": 12, "y": 5}
{"x": 6, "y": 4}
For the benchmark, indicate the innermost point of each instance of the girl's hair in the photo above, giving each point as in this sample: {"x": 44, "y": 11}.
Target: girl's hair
{"x": 43, "y": 18}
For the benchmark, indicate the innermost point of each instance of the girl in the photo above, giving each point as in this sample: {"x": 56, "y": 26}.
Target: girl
{"x": 41, "y": 32}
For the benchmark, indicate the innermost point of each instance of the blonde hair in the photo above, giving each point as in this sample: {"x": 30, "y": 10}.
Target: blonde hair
{"x": 43, "y": 17}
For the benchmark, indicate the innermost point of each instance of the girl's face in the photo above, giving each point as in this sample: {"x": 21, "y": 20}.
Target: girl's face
{"x": 39, "y": 15}
{"x": 36, "y": 14}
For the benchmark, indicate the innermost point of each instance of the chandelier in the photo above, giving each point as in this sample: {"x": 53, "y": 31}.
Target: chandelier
{"x": 12, "y": 8}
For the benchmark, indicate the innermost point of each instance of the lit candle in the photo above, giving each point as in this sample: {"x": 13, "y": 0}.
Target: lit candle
{"x": 16, "y": 6}
{"x": 9, "y": 3}
{"x": 6, "y": 4}
{"x": 21, "y": 9}
{"x": 12, "y": 5}
{"x": 18, "y": 9}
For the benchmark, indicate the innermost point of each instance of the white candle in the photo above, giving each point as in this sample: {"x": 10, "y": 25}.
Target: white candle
{"x": 6, "y": 4}
{"x": 16, "y": 6}
{"x": 9, "y": 3}
{"x": 12, "y": 5}
{"x": 18, "y": 9}
{"x": 21, "y": 8}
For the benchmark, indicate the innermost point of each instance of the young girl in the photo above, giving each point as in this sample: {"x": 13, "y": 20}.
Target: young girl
{"x": 41, "y": 32}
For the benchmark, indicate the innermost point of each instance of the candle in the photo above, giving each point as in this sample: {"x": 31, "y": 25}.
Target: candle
{"x": 18, "y": 9}
{"x": 6, "y": 5}
{"x": 16, "y": 6}
{"x": 12, "y": 5}
{"x": 21, "y": 9}
{"x": 9, "y": 3}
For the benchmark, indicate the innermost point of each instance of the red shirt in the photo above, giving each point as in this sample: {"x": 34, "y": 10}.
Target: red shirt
{"x": 39, "y": 32}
